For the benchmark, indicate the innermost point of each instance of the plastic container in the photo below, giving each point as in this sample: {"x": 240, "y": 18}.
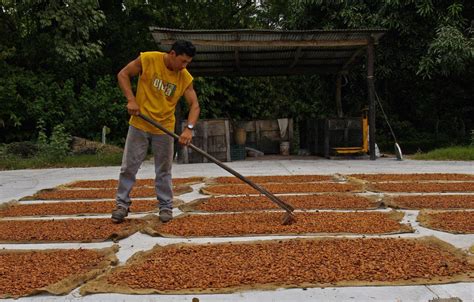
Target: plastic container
{"x": 285, "y": 148}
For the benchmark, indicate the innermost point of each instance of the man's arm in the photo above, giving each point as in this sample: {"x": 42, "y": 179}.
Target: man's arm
{"x": 132, "y": 69}
{"x": 193, "y": 116}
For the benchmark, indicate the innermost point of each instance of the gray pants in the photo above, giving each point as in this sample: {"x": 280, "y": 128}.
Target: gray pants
{"x": 136, "y": 147}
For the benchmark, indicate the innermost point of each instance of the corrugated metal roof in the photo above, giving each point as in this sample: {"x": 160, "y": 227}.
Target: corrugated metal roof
{"x": 270, "y": 52}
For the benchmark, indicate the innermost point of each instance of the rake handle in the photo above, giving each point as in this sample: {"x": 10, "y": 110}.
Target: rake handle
{"x": 285, "y": 206}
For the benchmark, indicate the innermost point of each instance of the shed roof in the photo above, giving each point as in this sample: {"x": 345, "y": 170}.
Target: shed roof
{"x": 247, "y": 52}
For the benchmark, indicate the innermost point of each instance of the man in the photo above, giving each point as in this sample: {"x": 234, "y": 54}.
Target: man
{"x": 163, "y": 79}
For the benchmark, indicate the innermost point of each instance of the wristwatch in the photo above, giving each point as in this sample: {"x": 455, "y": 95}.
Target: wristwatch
{"x": 190, "y": 126}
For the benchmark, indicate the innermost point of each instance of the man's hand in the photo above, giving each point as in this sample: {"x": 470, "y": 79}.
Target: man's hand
{"x": 132, "y": 107}
{"x": 186, "y": 137}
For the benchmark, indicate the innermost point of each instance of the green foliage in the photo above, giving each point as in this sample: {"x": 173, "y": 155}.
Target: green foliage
{"x": 430, "y": 31}
{"x": 100, "y": 105}
{"x": 448, "y": 53}
{"x": 43, "y": 31}
{"x": 70, "y": 23}
{"x": 263, "y": 97}
{"x": 42, "y": 137}
{"x": 22, "y": 149}
{"x": 27, "y": 97}
{"x": 59, "y": 141}
{"x": 39, "y": 162}
{"x": 423, "y": 64}
{"x": 59, "y": 59}
{"x": 57, "y": 146}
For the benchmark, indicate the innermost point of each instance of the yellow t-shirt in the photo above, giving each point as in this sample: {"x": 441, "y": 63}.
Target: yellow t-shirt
{"x": 158, "y": 92}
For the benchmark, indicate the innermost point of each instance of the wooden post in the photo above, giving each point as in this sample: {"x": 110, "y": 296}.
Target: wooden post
{"x": 326, "y": 138}
{"x": 257, "y": 134}
{"x": 347, "y": 125}
{"x": 290, "y": 130}
{"x": 205, "y": 138}
{"x": 227, "y": 139}
{"x": 371, "y": 96}
{"x": 338, "y": 95}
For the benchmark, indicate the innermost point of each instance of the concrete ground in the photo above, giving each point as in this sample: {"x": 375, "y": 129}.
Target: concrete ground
{"x": 19, "y": 183}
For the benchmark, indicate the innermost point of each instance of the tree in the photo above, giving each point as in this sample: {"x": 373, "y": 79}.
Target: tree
{"x": 60, "y": 58}
{"x": 46, "y": 31}
{"x": 424, "y": 64}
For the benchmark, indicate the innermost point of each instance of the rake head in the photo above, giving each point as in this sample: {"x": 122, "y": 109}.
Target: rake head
{"x": 288, "y": 218}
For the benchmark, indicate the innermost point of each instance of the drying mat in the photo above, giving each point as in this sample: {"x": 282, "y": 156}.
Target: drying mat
{"x": 457, "y": 222}
{"x": 414, "y": 177}
{"x": 255, "y": 203}
{"x": 269, "y": 223}
{"x": 273, "y": 178}
{"x": 66, "y": 230}
{"x": 80, "y": 208}
{"x": 265, "y": 265}
{"x": 55, "y": 194}
{"x": 234, "y": 189}
{"x": 113, "y": 183}
{"x": 430, "y": 201}
{"x": 30, "y": 272}
{"x": 422, "y": 187}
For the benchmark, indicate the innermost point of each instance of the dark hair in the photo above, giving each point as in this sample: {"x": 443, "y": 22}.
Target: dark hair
{"x": 184, "y": 47}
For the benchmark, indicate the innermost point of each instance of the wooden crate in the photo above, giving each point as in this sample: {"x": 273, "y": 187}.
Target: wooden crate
{"x": 212, "y": 136}
{"x": 264, "y": 135}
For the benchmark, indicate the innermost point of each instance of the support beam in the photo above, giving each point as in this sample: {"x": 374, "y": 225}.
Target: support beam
{"x": 371, "y": 96}
{"x": 237, "y": 59}
{"x": 236, "y": 53}
{"x": 338, "y": 95}
{"x": 274, "y": 43}
{"x": 347, "y": 52}
{"x": 297, "y": 57}
{"x": 276, "y": 71}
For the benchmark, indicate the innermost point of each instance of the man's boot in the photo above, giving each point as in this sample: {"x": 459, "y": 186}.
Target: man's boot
{"x": 166, "y": 215}
{"x": 119, "y": 214}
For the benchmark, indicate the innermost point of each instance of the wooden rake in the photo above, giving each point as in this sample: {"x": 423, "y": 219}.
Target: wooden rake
{"x": 288, "y": 218}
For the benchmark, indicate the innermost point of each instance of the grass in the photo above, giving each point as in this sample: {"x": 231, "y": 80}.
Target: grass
{"x": 12, "y": 162}
{"x": 450, "y": 153}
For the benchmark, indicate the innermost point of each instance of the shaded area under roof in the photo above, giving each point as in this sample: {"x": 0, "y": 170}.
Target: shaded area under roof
{"x": 245, "y": 52}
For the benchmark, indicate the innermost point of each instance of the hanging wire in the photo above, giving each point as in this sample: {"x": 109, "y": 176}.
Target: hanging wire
{"x": 346, "y": 81}
{"x": 398, "y": 150}
{"x": 385, "y": 116}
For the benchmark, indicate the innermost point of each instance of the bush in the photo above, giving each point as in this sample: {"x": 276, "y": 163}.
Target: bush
{"x": 96, "y": 107}
{"x": 23, "y": 149}
{"x": 57, "y": 146}
{"x": 26, "y": 97}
